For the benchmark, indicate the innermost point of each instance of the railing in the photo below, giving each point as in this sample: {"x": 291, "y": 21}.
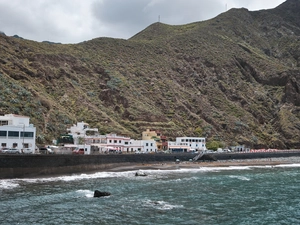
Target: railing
{"x": 198, "y": 156}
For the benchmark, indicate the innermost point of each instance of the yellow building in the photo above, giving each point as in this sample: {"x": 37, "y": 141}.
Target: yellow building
{"x": 149, "y": 134}
{"x": 161, "y": 142}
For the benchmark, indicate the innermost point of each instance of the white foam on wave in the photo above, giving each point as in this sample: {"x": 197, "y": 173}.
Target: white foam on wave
{"x": 288, "y": 165}
{"x": 152, "y": 173}
{"x": 97, "y": 175}
{"x": 240, "y": 177}
{"x": 86, "y": 193}
{"x": 295, "y": 165}
{"x": 13, "y": 183}
{"x": 8, "y": 184}
{"x": 161, "y": 205}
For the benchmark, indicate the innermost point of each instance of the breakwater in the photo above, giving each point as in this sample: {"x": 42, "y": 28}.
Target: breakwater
{"x": 18, "y": 166}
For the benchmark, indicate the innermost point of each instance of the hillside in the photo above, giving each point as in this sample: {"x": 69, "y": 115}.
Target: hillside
{"x": 234, "y": 79}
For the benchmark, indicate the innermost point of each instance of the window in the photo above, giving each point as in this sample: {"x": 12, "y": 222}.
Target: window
{"x": 115, "y": 141}
{"x": 15, "y": 145}
{"x": 27, "y": 134}
{"x": 151, "y": 144}
{"x": 126, "y": 142}
{"x": 13, "y": 133}
{"x": 3, "y": 145}
{"x": 119, "y": 141}
{"x": 3, "y": 133}
{"x": 3, "y": 122}
{"x": 109, "y": 141}
{"x": 146, "y": 144}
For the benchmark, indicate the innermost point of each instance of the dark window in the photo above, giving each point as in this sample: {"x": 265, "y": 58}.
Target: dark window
{"x": 3, "y": 133}
{"x": 3, "y": 122}
{"x": 115, "y": 141}
{"x": 27, "y": 134}
{"x": 13, "y": 133}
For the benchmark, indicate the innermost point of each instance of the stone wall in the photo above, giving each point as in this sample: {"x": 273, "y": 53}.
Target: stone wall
{"x": 18, "y": 166}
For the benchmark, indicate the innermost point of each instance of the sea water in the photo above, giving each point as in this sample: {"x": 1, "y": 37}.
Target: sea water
{"x": 224, "y": 195}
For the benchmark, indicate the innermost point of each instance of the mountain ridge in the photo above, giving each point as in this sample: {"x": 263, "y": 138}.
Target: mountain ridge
{"x": 233, "y": 79}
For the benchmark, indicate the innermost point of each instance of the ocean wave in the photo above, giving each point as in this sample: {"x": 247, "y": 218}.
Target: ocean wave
{"x": 161, "y": 205}
{"x": 8, "y": 184}
{"x": 288, "y": 165}
{"x": 240, "y": 177}
{"x": 151, "y": 174}
{"x": 86, "y": 193}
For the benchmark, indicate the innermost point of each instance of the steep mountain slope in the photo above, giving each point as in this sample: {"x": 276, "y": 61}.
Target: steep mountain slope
{"x": 234, "y": 79}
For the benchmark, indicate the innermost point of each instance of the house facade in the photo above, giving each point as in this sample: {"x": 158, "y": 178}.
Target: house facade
{"x": 83, "y": 134}
{"x": 118, "y": 143}
{"x": 17, "y": 132}
{"x": 161, "y": 141}
{"x": 187, "y": 144}
{"x": 197, "y": 143}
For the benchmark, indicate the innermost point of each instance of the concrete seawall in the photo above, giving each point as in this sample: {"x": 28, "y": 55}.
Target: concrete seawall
{"x": 18, "y": 166}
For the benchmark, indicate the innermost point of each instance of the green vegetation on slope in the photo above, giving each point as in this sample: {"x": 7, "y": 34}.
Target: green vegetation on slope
{"x": 233, "y": 79}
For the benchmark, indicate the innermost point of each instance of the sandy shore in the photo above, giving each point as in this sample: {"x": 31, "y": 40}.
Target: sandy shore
{"x": 220, "y": 163}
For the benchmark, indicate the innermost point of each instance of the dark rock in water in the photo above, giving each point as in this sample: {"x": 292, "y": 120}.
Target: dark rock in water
{"x": 101, "y": 194}
{"x": 139, "y": 173}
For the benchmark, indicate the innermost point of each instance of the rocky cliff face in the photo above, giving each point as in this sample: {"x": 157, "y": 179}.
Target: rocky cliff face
{"x": 234, "y": 79}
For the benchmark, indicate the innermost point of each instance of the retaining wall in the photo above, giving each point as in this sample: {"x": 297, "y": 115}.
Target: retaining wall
{"x": 18, "y": 166}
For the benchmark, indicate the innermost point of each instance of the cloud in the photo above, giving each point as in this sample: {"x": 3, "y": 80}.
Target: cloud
{"x": 130, "y": 17}
{"x": 46, "y": 20}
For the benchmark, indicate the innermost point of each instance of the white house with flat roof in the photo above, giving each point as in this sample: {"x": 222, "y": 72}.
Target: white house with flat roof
{"x": 187, "y": 144}
{"x": 197, "y": 143}
{"x": 142, "y": 146}
{"x": 17, "y": 132}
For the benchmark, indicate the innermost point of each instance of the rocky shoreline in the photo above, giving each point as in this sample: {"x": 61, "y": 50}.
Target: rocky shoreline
{"x": 199, "y": 164}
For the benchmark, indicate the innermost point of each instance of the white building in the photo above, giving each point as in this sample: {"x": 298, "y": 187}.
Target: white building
{"x": 117, "y": 143}
{"x": 121, "y": 144}
{"x": 142, "y": 146}
{"x": 83, "y": 134}
{"x": 187, "y": 144}
{"x": 83, "y": 137}
{"x": 149, "y": 146}
{"x": 16, "y": 132}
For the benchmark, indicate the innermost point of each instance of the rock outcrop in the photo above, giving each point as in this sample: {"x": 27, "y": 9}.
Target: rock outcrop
{"x": 98, "y": 194}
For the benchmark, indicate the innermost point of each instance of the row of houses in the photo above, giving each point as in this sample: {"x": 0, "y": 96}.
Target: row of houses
{"x": 17, "y": 132}
{"x": 151, "y": 142}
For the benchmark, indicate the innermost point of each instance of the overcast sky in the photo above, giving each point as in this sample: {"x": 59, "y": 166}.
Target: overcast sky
{"x": 74, "y": 21}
